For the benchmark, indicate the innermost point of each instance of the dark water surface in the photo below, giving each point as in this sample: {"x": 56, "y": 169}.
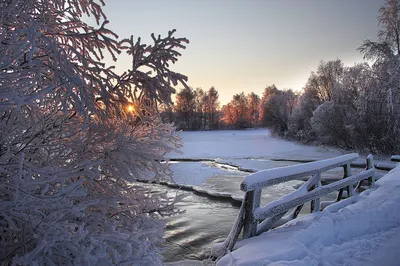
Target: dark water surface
{"x": 191, "y": 235}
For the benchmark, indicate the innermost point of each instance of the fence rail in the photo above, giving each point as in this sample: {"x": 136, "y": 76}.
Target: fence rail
{"x": 254, "y": 220}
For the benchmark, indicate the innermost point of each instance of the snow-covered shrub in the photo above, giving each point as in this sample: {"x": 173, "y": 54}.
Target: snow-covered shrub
{"x": 331, "y": 126}
{"x": 74, "y": 135}
{"x": 299, "y": 123}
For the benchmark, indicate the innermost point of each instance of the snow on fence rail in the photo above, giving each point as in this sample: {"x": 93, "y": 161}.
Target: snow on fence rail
{"x": 255, "y": 220}
{"x": 389, "y": 166}
{"x": 395, "y": 158}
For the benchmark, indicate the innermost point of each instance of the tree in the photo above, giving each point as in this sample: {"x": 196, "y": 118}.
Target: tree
{"x": 383, "y": 99}
{"x": 299, "y": 124}
{"x": 74, "y": 135}
{"x": 200, "y": 109}
{"x": 390, "y": 20}
{"x": 322, "y": 85}
{"x": 254, "y": 107}
{"x": 328, "y": 75}
{"x": 185, "y": 107}
{"x": 329, "y": 122}
{"x": 235, "y": 112}
{"x": 278, "y": 109}
{"x": 212, "y": 103}
{"x": 269, "y": 91}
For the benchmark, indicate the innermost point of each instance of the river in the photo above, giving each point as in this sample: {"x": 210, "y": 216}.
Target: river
{"x": 216, "y": 162}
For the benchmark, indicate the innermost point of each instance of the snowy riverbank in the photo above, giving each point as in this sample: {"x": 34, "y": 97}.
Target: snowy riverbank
{"x": 362, "y": 230}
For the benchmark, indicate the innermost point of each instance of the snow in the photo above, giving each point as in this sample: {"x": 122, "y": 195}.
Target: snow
{"x": 385, "y": 166}
{"x": 301, "y": 195}
{"x": 361, "y": 230}
{"x": 245, "y": 143}
{"x": 282, "y": 174}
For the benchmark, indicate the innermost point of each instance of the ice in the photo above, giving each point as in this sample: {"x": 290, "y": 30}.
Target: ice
{"x": 194, "y": 173}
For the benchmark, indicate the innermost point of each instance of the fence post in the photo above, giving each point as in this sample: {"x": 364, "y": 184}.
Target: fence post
{"x": 252, "y": 201}
{"x": 370, "y": 165}
{"x": 315, "y": 205}
{"x": 347, "y": 173}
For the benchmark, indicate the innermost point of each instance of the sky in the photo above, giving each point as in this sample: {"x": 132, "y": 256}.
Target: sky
{"x": 238, "y": 45}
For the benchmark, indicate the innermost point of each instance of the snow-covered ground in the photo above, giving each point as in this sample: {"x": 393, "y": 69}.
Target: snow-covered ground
{"x": 362, "y": 230}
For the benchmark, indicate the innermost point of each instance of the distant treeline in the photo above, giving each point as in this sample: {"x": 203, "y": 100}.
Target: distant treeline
{"x": 355, "y": 108}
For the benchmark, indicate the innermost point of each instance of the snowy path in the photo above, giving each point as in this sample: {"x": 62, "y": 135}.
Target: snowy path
{"x": 363, "y": 230}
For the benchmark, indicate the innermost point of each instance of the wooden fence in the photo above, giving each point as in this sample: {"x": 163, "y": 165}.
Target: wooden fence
{"x": 254, "y": 220}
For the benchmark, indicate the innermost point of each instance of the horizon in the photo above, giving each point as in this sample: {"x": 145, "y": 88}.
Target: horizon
{"x": 242, "y": 46}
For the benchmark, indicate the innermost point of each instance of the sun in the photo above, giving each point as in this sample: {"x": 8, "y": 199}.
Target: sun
{"x": 130, "y": 108}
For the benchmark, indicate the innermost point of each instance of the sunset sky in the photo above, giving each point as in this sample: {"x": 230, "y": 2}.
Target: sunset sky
{"x": 243, "y": 45}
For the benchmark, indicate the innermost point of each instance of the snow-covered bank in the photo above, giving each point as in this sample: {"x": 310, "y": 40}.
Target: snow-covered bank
{"x": 362, "y": 230}
{"x": 253, "y": 149}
